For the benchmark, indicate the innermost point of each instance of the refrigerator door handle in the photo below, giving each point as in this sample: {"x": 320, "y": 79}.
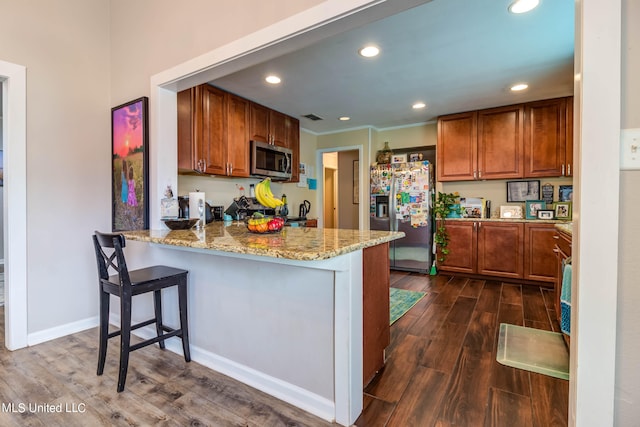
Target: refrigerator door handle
{"x": 393, "y": 223}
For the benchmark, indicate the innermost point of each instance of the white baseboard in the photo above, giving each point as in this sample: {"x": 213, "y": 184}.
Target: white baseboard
{"x": 290, "y": 393}
{"x": 61, "y": 331}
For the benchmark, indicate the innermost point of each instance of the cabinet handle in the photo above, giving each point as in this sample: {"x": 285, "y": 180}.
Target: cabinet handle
{"x": 568, "y": 168}
{"x": 479, "y": 174}
{"x": 556, "y": 250}
{"x": 474, "y": 175}
{"x": 556, "y": 237}
{"x": 479, "y": 225}
{"x": 230, "y": 168}
{"x": 562, "y": 170}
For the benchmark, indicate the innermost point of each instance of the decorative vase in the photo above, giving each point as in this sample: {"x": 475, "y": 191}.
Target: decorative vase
{"x": 384, "y": 155}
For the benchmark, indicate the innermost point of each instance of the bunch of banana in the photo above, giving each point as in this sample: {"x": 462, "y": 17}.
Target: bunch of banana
{"x": 265, "y": 196}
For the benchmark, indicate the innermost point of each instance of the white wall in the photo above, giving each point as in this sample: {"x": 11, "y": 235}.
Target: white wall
{"x": 627, "y": 402}
{"x": 65, "y": 48}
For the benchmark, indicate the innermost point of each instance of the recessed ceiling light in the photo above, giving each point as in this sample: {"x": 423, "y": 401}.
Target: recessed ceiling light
{"x": 523, "y": 6}
{"x": 519, "y": 87}
{"x": 344, "y": 118}
{"x": 418, "y": 105}
{"x": 274, "y": 80}
{"x": 369, "y": 51}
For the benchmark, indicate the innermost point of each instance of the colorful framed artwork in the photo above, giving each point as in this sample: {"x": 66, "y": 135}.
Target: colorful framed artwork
{"x": 130, "y": 165}
{"x": 399, "y": 158}
{"x": 533, "y": 206}
{"x": 562, "y": 210}
{"x": 565, "y": 193}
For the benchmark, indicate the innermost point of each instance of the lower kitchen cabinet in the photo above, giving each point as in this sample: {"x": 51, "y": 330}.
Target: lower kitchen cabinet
{"x": 508, "y": 249}
{"x": 539, "y": 259}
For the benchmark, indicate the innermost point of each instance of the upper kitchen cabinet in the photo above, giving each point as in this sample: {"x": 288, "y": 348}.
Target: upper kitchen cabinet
{"x": 512, "y": 142}
{"x": 477, "y": 145}
{"x": 213, "y": 132}
{"x": 275, "y": 128}
{"x": 457, "y": 148}
{"x": 500, "y": 142}
{"x": 546, "y": 138}
{"x": 268, "y": 125}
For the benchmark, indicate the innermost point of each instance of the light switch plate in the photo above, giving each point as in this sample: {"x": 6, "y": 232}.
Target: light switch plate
{"x": 630, "y": 149}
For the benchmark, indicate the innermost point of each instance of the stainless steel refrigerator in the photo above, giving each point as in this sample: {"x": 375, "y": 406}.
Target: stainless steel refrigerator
{"x": 401, "y": 200}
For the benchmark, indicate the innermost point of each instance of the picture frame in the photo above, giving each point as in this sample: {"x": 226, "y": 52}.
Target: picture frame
{"x": 547, "y": 193}
{"x": 399, "y": 158}
{"x": 521, "y": 191}
{"x": 130, "y": 165}
{"x": 562, "y": 210}
{"x": 565, "y": 193}
{"x": 546, "y": 214}
{"x": 356, "y": 182}
{"x": 510, "y": 212}
{"x": 532, "y": 207}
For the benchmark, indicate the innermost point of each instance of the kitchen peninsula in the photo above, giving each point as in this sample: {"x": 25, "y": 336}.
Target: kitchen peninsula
{"x": 284, "y": 312}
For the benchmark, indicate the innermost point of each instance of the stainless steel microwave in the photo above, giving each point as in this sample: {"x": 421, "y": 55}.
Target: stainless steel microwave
{"x": 270, "y": 160}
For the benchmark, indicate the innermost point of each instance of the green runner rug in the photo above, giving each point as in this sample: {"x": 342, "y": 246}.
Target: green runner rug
{"x": 400, "y": 301}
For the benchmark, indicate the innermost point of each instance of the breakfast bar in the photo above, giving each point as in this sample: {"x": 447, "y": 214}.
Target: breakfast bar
{"x": 283, "y": 312}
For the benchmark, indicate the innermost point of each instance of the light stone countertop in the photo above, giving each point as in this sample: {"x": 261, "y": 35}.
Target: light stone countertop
{"x": 540, "y": 221}
{"x": 296, "y": 243}
{"x": 566, "y": 227}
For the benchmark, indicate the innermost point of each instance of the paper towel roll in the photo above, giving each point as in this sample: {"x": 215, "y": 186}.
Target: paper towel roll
{"x": 194, "y": 201}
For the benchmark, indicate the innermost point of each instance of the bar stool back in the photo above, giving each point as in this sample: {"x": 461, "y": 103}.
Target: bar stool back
{"x": 125, "y": 284}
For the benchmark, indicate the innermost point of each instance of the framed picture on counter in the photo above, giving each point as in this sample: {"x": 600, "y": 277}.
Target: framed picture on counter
{"x": 562, "y": 210}
{"x": 521, "y": 191}
{"x": 130, "y": 165}
{"x": 546, "y": 214}
{"x": 565, "y": 193}
{"x": 532, "y": 208}
{"x": 512, "y": 212}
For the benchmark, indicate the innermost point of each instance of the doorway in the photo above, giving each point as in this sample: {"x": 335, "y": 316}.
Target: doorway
{"x": 341, "y": 189}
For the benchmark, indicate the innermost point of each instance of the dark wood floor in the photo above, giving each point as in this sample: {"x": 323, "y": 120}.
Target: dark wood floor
{"x": 441, "y": 367}
{"x": 441, "y": 370}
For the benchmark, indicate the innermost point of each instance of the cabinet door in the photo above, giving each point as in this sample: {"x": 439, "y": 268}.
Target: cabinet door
{"x": 210, "y": 115}
{"x": 186, "y": 130}
{"x": 501, "y": 142}
{"x": 293, "y": 142}
{"x": 462, "y": 247}
{"x": 568, "y": 161}
{"x": 539, "y": 258}
{"x": 278, "y": 128}
{"x": 500, "y": 247}
{"x": 456, "y": 149}
{"x": 238, "y": 111}
{"x": 545, "y": 138}
{"x": 259, "y": 129}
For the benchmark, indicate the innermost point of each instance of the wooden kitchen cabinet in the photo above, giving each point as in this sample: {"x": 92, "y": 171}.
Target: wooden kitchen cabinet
{"x": 500, "y": 246}
{"x": 268, "y": 126}
{"x": 275, "y": 128}
{"x": 213, "y": 132}
{"x": 546, "y": 138}
{"x": 529, "y": 140}
{"x": 463, "y": 247}
{"x": 539, "y": 258}
{"x": 456, "y": 147}
{"x": 375, "y": 308}
{"x": 501, "y": 142}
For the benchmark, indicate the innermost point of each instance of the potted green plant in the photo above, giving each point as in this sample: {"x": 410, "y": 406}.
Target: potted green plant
{"x": 443, "y": 207}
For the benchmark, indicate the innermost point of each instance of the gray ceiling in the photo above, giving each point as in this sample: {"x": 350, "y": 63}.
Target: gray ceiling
{"x": 454, "y": 55}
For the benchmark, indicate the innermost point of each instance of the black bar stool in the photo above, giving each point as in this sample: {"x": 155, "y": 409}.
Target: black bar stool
{"x": 125, "y": 284}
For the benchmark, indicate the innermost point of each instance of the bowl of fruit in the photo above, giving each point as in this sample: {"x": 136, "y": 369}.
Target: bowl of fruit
{"x": 261, "y": 224}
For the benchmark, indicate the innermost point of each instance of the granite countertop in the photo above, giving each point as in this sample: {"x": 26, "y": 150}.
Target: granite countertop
{"x": 566, "y": 227}
{"x": 297, "y": 243}
{"x": 541, "y": 221}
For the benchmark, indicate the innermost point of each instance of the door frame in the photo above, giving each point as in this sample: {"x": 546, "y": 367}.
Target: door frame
{"x": 320, "y": 167}
{"x": 13, "y": 78}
